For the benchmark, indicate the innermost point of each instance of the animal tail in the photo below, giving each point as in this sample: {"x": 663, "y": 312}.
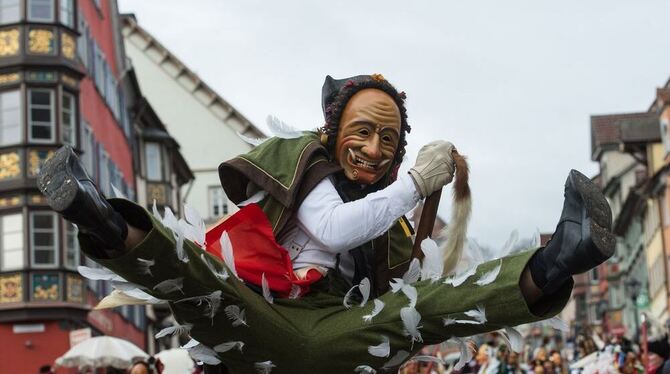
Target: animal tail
{"x": 460, "y": 215}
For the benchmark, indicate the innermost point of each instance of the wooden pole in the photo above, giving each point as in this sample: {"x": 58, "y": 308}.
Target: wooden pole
{"x": 426, "y": 222}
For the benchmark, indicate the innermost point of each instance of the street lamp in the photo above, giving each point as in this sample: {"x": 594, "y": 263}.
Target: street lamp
{"x": 633, "y": 287}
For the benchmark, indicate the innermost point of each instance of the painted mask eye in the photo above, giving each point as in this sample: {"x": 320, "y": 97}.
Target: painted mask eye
{"x": 386, "y": 139}
{"x": 364, "y": 132}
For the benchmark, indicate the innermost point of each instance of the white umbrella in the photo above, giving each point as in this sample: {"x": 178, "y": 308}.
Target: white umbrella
{"x": 102, "y": 351}
{"x": 176, "y": 361}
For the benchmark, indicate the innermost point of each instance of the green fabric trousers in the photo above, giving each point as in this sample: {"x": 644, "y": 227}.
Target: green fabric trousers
{"x": 316, "y": 333}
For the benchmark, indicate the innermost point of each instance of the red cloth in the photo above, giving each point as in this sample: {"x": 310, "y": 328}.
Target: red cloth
{"x": 256, "y": 251}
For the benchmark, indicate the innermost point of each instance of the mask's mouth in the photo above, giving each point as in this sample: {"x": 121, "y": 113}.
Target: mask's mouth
{"x": 358, "y": 160}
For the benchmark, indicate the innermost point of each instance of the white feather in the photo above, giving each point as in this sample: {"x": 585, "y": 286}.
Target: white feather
{"x": 170, "y": 285}
{"x": 227, "y": 346}
{"x": 450, "y": 321}
{"x": 466, "y": 354}
{"x": 381, "y": 350}
{"x": 190, "y": 344}
{"x": 510, "y": 243}
{"x": 426, "y": 358}
{"x": 515, "y": 339}
{"x": 267, "y": 294}
{"x": 179, "y": 247}
{"x": 141, "y": 295}
{"x": 364, "y": 288}
{"x": 281, "y": 129}
{"x": 221, "y": 274}
{"x": 411, "y": 293}
{"x": 155, "y": 212}
{"x": 478, "y": 314}
{"x": 236, "y": 315}
{"x": 205, "y": 354}
{"x": 170, "y": 221}
{"x": 193, "y": 217}
{"x": 365, "y": 369}
{"x": 459, "y": 279}
{"x": 145, "y": 266}
{"x": 295, "y": 292}
{"x": 396, "y": 284}
{"x": 396, "y": 360}
{"x": 410, "y": 319}
{"x": 227, "y": 252}
{"x": 557, "y": 324}
{"x": 413, "y": 272}
{"x": 119, "y": 298}
{"x": 264, "y": 367}
{"x": 257, "y": 197}
{"x": 252, "y": 141}
{"x": 99, "y": 274}
{"x": 188, "y": 231}
{"x": 117, "y": 193}
{"x": 211, "y": 301}
{"x": 490, "y": 276}
{"x": 537, "y": 239}
{"x": 433, "y": 265}
{"x": 125, "y": 286}
{"x": 172, "y": 330}
{"x": 379, "y": 306}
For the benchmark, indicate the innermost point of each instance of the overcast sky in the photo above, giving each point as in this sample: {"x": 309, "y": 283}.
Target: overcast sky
{"x": 511, "y": 83}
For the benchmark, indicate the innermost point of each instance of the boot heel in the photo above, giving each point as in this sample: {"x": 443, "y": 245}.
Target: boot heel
{"x": 56, "y": 183}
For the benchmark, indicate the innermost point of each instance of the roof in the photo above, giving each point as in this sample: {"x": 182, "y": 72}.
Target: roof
{"x": 214, "y": 102}
{"x": 616, "y": 130}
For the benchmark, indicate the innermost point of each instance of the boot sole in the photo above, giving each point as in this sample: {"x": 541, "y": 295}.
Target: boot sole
{"x": 56, "y": 182}
{"x": 598, "y": 212}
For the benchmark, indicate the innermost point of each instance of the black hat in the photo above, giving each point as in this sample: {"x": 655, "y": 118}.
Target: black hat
{"x": 337, "y": 92}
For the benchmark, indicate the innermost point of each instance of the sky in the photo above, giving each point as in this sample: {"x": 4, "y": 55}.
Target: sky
{"x": 512, "y": 84}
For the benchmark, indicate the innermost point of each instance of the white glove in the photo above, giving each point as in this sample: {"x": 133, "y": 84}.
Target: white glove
{"x": 434, "y": 167}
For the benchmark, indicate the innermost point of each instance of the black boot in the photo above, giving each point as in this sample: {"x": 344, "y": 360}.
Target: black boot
{"x": 72, "y": 193}
{"x": 583, "y": 237}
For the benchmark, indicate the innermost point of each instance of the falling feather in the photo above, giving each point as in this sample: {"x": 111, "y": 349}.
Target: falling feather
{"x": 450, "y": 321}
{"x": 515, "y": 339}
{"x": 172, "y": 330}
{"x": 264, "y": 367}
{"x": 557, "y": 324}
{"x": 205, "y": 354}
{"x": 413, "y": 272}
{"x": 236, "y": 315}
{"x": 155, "y": 212}
{"x": 179, "y": 247}
{"x": 227, "y": 346}
{"x": 211, "y": 301}
{"x": 119, "y": 298}
{"x": 381, "y": 350}
{"x": 459, "y": 279}
{"x": 426, "y": 358}
{"x": 365, "y": 369}
{"x": 411, "y": 319}
{"x": 396, "y": 284}
{"x": 466, "y": 354}
{"x": 141, "y": 295}
{"x": 188, "y": 231}
{"x": 411, "y": 293}
{"x": 490, "y": 276}
{"x": 432, "y": 266}
{"x": 117, "y": 193}
{"x": 190, "y": 344}
{"x": 145, "y": 266}
{"x": 99, "y": 274}
{"x": 364, "y": 288}
{"x": 170, "y": 221}
{"x": 222, "y": 274}
{"x": 537, "y": 239}
{"x": 379, "y": 306}
{"x": 124, "y": 285}
{"x": 170, "y": 285}
{"x": 252, "y": 141}
{"x": 396, "y": 360}
{"x": 510, "y": 243}
{"x": 257, "y": 197}
{"x": 227, "y": 252}
{"x": 295, "y": 292}
{"x": 267, "y": 294}
{"x": 478, "y": 314}
{"x": 281, "y": 129}
{"x": 193, "y": 217}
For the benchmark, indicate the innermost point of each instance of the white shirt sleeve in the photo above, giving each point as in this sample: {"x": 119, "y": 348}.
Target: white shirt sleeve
{"x": 341, "y": 226}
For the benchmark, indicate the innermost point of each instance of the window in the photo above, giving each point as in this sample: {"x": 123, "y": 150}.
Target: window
{"x": 10, "y": 117}
{"x": 67, "y": 12}
{"x": 10, "y": 11}
{"x": 41, "y": 10}
{"x": 43, "y": 239}
{"x": 40, "y": 115}
{"x": 71, "y": 245}
{"x": 11, "y": 243}
{"x": 88, "y": 146}
{"x": 218, "y": 202}
{"x": 82, "y": 40}
{"x": 152, "y": 152}
{"x": 594, "y": 275}
{"x": 68, "y": 115}
{"x": 103, "y": 170}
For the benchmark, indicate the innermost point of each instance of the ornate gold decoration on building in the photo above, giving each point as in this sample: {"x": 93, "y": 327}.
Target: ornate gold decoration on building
{"x": 41, "y": 41}
{"x": 36, "y": 159}
{"x": 157, "y": 192}
{"x": 7, "y": 202}
{"x": 75, "y": 289}
{"x": 38, "y": 199}
{"x": 9, "y": 42}
{"x": 11, "y": 288}
{"x": 69, "y": 80}
{"x": 9, "y": 78}
{"x": 45, "y": 287}
{"x": 67, "y": 45}
{"x": 10, "y": 165}
{"x": 41, "y": 76}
